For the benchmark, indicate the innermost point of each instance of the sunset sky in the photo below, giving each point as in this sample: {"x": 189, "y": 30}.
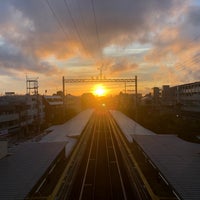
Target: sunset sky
{"x": 157, "y": 40}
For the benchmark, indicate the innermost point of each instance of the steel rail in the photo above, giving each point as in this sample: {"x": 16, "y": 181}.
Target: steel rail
{"x": 142, "y": 186}
{"x": 102, "y": 123}
{"x": 63, "y": 187}
{"x": 117, "y": 161}
{"x": 108, "y": 157}
{"x": 96, "y": 159}
{"x": 136, "y": 183}
{"x": 88, "y": 160}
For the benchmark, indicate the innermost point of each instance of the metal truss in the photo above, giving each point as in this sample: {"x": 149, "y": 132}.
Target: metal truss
{"x": 101, "y": 80}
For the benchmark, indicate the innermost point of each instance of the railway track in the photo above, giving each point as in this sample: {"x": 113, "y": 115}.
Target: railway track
{"x": 103, "y": 165}
{"x": 102, "y": 172}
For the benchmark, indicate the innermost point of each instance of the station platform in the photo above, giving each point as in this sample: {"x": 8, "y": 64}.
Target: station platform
{"x": 177, "y": 160}
{"x": 27, "y": 162}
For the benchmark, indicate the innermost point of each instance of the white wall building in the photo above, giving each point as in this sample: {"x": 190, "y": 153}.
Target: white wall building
{"x": 187, "y": 95}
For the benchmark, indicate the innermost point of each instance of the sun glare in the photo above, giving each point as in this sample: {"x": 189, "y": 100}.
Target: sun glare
{"x": 99, "y": 90}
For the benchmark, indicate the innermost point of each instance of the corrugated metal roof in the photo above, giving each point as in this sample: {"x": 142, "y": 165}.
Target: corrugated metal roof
{"x": 178, "y": 161}
{"x": 20, "y": 171}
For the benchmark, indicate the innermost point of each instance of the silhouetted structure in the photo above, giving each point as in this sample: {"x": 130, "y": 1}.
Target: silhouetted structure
{"x": 54, "y": 108}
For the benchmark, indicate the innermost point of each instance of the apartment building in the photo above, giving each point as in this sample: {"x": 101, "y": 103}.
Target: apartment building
{"x": 185, "y": 95}
{"x": 20, "y": 112}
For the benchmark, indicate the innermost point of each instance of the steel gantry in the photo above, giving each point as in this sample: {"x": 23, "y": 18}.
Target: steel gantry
{"x": 105, "y": 80}
{"x": 102, "y": 80}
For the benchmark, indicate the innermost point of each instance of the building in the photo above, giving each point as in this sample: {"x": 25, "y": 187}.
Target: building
{"x": 20, "y": 113}
{"x": 166, "y": 95}
{"x": 129, "y": 101}
{"x": 156, "y": 95}
{"x": 73, "y": 103}
{"x": 11, "y": 118}
{"x": 147, "y": 99}
{"x": 54, "y": 109}
{"x": 88, "y": 100}
{"x": 187, "y": 95}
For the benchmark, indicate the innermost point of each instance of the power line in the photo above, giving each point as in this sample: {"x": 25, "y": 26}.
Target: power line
{"x": 74, "y": 24}
{"x": 96, "y": 27}
{"x": 83, "y": 23}
{"x": 57, "y": 19}
{"x": 194, "y": 39}
{"x": 188, "y": 62}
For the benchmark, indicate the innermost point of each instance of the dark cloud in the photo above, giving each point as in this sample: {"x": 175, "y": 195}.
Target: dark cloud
{"x": 121, "y": 66}
{"x": 177, "y": 46}
{"x": 13, "y": 59}
{"x": 117, "y": 21}
{"x": 193, "y": 16}
{"x": 32, "y": 33}
{"x": 190, "y": 28}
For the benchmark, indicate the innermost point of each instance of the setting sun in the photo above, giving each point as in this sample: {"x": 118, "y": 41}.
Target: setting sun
{"x": 99, "y": 90}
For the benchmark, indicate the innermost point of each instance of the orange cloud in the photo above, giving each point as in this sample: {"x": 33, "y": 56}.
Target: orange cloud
{"x": 168, "y": 26}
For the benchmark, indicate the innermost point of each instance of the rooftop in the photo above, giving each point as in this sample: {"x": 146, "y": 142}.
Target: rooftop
{"x": 21, "y": 170}
{"x": 177, "y": 160}
{"x": 129, "y": 126}
{"x": 27, "y": 162}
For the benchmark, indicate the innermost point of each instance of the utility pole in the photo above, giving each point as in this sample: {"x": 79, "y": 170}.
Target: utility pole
{"x": 136, "y": 99}
{"x": 100, "y": 72}
{"x": 64, "y": 103}
{"x": 63, "y": 83}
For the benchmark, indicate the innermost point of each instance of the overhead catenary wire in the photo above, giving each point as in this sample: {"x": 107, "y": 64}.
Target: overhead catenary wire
{"x": 83, "y": 23}
{"x": 75, "y": 26}
{"x": 180, "y": 66}
{"x": 57, "y": 19}
{"x": 96, "y": 27}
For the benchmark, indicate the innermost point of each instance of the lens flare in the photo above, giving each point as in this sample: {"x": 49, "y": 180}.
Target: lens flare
{"x": 99, "y": 90}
